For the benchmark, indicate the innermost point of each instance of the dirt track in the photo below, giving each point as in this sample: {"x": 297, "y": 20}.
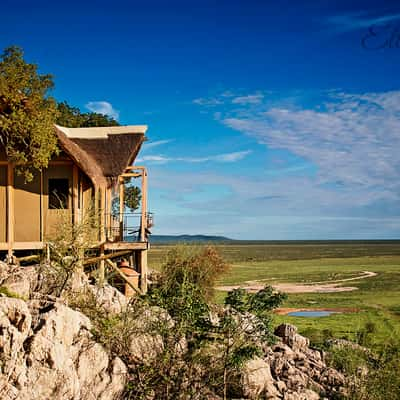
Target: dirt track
{"x": 317, "y": 287}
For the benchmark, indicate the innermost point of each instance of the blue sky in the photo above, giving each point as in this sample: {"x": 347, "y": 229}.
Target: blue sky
{"x": 267, "y": 120}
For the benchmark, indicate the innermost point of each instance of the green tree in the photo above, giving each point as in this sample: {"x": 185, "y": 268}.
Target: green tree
{"x": 73, "y": 117}
{"x": 132, "y": 198}
{"x": 27, "y": 113}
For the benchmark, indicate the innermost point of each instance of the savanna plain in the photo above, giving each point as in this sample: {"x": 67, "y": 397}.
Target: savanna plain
{"x": 359, "y": 279}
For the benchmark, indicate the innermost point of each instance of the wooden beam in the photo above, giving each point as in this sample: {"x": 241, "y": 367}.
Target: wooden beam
{"x": 134, "y": 167}
{"x": 28, "y": 258}
{"x": 126, "y": 245}
{"x": 131, "y": 175}
{"x": 94, "y": 260}
{"x": 23, "y": 245}
{"x": 123, "y": 276}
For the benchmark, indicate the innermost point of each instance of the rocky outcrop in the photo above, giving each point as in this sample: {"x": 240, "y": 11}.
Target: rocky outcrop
{"x": 47, "y": 352}
{"x": 290, "y": 370}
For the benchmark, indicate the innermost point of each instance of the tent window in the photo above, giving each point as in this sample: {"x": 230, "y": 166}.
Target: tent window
{"x": 58, "y": 193}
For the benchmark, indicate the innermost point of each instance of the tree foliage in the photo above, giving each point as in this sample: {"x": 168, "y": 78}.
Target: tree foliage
{"x": 132, "y": 198}
{"x": 73, "y": 117}
{"x": 27, "y": 113}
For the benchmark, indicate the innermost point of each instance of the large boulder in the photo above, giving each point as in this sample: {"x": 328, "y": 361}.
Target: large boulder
{"x": 19, "y": 281}
{"x": 53, "y": 355}
{"x": 256, "y": 378}
{"x": 145, "y": 341}
{"x": 288, "y": 334}
{"x": 109, "y": 298}
{"x": 15, "y": 327}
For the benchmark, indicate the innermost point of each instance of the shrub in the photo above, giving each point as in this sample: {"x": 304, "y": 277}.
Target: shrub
{"x": 373, "y": 374}
{"x": 186, "y": 284}
{"x": 67, "y": 248}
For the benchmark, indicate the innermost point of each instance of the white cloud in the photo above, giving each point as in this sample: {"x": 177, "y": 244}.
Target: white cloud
{"x": 248, "y": 99}
{"x": 223, "y": 158}
{"x": 354, "y": 139}
{"x": 103, "y": 107}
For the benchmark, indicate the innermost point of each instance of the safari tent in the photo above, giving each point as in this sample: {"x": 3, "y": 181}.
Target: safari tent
{"x": 90, "y": 169}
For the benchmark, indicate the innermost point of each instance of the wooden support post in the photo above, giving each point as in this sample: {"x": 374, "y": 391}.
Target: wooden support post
{"x": 102, "y": 214}
{"x": 96, "y": 207}
{"x": 109, "y": 231}
{"x": 102, "y": 234}
{"x": 10, "y": 210}
{"x": 75, "y": 194}
{"x": 143, "y": 224}
{"x": 143, "y": 270}
{"x": 47, "y": 254}
{"x": 121, "y": 208}
{"x": 101, "y": 276}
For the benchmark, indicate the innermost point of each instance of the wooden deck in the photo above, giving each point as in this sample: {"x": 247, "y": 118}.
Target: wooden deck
{"x": 107, "y": 246}
{"x": 126, "y": 246}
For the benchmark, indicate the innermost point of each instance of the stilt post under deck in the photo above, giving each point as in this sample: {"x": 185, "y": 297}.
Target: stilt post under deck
{"x": 143, "y": 270}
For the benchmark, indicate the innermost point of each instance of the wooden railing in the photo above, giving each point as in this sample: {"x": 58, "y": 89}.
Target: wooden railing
{"x": 128, "y": 227}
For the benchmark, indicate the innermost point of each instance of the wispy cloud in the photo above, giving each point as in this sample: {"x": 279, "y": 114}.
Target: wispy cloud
{"x": 103, "y": 107}
{"x": 355, "y": 21}
{"x": 222, "y": 158}
{"x": 209, "y": 102}
{"x": 230, "y": 97}
{"x": 248, "y": 99}
{"x": 156, "y": 143}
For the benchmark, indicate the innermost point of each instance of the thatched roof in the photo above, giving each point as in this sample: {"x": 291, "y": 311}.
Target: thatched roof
{"x": 102, "y": 153}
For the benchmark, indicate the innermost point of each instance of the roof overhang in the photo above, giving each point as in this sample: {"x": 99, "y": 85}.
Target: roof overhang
{"x": 103, "y": 153}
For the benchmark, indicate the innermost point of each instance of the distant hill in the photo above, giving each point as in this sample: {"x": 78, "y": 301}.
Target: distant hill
{"x": 187, "y": 239}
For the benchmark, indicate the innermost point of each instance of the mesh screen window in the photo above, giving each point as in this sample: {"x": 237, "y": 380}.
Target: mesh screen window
{"x": 58, "y": 194}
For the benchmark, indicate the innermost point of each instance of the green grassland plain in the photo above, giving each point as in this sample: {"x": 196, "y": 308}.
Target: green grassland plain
{"x": 376, "y": 299}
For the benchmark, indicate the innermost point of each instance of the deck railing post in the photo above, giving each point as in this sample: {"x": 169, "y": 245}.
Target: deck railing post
{"x": 143, "y": 222}
{"x": 121, "y": 207}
